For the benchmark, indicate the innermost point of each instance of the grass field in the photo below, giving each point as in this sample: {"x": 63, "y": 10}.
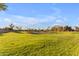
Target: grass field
{"x": 55, "y": 44}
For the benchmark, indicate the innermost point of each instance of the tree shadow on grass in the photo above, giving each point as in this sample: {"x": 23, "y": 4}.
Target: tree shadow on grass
{"x": 1, "y": 34}
{"x": 17, "y": 32}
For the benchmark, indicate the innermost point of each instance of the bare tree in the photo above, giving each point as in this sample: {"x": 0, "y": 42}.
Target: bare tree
{"x": 11, "y": 26}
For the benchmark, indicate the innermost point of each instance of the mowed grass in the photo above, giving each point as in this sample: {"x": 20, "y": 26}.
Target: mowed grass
{"x": 55, "y": 44}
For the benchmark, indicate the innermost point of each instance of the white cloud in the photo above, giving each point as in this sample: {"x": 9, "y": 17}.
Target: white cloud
{"x": 24, "y": 21}
{"x": 31, "y": 21}
{"x": 34, "y": 20}
{"x": 59, "y": 21}
{"x": 8, "y": 20}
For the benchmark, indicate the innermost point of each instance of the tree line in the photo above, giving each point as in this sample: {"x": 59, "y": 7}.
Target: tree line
{"x": 56, "y": 28}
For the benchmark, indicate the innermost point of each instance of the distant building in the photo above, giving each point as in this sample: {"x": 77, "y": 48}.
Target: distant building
{"x": 3, "y": 30}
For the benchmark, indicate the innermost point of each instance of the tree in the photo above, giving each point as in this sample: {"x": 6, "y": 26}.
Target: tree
{"x": 76, "y": 28}
{"x": 18, "y": 28}
{"x": 57, "y": 28}
{"x": 3, "y": 7}
{"x": 11, "y": 26}
{"x": 68, "y": 28}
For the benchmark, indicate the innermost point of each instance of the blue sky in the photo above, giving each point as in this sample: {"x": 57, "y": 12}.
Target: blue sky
{"x": 40, "y": 15}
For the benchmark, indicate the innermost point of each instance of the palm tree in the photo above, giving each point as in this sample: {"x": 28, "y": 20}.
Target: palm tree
{"x": 3, "y": 7}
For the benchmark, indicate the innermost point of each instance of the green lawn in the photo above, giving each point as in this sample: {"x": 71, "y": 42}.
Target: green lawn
{"x": 55, "y": 44}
